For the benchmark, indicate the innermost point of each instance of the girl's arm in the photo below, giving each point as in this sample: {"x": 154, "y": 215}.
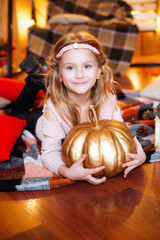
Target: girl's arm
{"x": 138, "y": 159}
{"x": 110, "y": 109}
{"x": 51, "y": 153}
{"x": 78, "y": 172}
{"x": 52, "y": 136}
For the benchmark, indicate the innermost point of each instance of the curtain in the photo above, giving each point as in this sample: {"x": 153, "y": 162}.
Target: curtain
{"x": 3, "y": 20}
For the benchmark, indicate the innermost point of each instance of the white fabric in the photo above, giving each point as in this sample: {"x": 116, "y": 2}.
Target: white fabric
{"x": 69, "y": 18}
{"x": 4, "y": 102}
{"x": 152, "y": 90}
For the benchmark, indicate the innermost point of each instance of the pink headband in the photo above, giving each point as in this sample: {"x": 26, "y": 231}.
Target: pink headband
{"x": 76, "y": 46}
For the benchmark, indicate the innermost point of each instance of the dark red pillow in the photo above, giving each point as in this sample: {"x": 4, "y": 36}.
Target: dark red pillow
{"x": 10, "y": 88}
{"x": 10, "y": 130}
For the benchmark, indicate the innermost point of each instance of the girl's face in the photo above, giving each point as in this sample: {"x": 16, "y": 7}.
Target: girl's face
{"x": 78, "y": 70}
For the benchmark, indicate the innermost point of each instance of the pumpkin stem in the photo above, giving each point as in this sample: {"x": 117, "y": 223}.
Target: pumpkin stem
{"x": 95, "y": 116}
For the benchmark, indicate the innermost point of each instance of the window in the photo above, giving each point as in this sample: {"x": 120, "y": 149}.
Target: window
{"x": 145, "y": 14}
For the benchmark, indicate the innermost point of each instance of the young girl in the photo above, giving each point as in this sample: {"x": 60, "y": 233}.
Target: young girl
{"x": 77, "y": 76}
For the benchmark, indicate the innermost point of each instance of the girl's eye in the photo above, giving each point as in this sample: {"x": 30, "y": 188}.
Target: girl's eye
{"x": 69, "y": 67}
{"x": 87, "y": 66}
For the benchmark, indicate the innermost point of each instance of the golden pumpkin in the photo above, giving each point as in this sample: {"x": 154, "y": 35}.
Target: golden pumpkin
{"x": 103, "y": 142}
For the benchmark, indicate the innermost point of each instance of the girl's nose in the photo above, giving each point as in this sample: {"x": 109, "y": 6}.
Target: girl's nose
{"x": 79, "y": 73}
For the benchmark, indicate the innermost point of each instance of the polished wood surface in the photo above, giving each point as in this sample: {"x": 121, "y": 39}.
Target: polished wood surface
{"x": 118, "y": 209}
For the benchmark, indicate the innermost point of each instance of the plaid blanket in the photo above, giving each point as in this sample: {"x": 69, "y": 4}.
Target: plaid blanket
{"x": 118, "y": 39}
{"x": 96, "y": 9}
{"x": 28, "y": 173}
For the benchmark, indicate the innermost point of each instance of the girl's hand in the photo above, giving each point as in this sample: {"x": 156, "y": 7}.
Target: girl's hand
{"x": 138, "y": 158}
{"x": 77, "y": 172}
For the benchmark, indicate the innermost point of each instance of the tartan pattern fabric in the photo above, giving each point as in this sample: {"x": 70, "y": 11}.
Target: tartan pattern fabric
{"x": 96, "y": 9}
{"x": 30, "y": 174}
{"x": 18, "y": 175}
{"x": 118, "y": 40}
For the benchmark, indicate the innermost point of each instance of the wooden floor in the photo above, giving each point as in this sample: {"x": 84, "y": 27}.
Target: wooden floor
{"x": 120, "y": 209}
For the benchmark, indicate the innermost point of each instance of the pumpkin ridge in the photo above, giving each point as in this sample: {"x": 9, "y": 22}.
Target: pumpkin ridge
{"x": 100, "y": 158}
{"x": 113, "y": 170}
{"x": 125, "y": 132}
{"x": 115, "y": 139}
{"x": 103, "y": 146}
{"x": 107, "y": 155}
{"x": 67, "y": 144}
{"x": 104, "y": 123}
{"x": 91, "y": 135}
{"x": 78, "y": 144}
{"x": 125, "y": 136}
{"x": 120, "y": 155}
{"x": 119, "y": 131}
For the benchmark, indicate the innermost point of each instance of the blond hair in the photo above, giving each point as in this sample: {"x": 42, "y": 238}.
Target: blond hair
{"x": 56, "y": 91}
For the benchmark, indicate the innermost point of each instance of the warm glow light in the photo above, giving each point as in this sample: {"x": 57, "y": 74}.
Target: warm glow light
{"x": 137, "y": 76}
{"x": 136, "y": 12}
{"x": 158, "y": 25}
{"x": 41, "y": 8}
{"x": 135, "y": 80}
{"x": 23, "y": 18}
{"x": 31, "y": 205}
{"x": 30, "y": 22}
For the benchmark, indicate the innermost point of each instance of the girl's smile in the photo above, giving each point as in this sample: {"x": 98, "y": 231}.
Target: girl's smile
{"x": 80, "y": 83}
{"x": 78, "y": 70}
